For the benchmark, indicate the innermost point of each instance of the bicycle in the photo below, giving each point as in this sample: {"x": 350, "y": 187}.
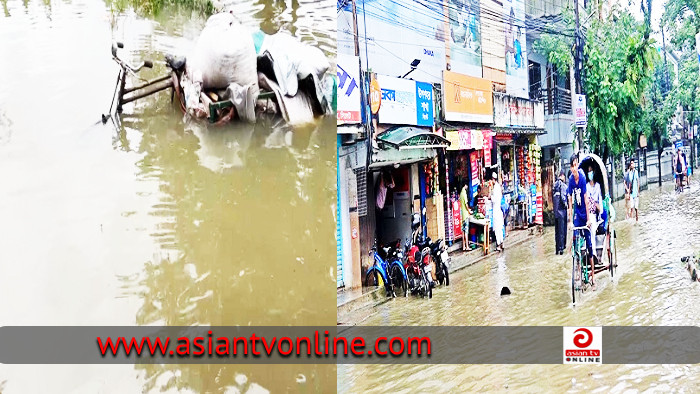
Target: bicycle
{"x": 580, "y": 266}
{"x": 679, "y": 182}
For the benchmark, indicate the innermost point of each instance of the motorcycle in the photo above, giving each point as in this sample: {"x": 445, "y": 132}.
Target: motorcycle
{"x": 438, "y": 249}
{"x": 418, "y": 265}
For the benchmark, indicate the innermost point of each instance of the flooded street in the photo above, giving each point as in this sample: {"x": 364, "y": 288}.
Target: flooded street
{"x": 651, "y": 288}
{"x": 151, "y": 220}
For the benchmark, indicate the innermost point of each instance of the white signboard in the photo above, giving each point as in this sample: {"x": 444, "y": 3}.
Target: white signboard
{"x": 580, "y": 110}
{"x": 405, "y": 102}
{"x": 397, "y": 34}
{"x": 517, "y": 112}
{"x": 349, "y": 107}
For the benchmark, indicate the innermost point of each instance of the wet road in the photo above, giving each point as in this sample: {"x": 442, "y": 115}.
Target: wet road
{"x": 651, "y": 287}
{"x": 152, "y": 220}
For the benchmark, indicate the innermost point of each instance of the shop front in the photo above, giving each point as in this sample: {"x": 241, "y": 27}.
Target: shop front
{"x": 351, "y": 155}
{"x": 403, "y": 157}
{"x": 466, "y": 161}
{"x": 403, "y": 169}
{"x": 517, "y": 123}
{"x": 468, "y": 114}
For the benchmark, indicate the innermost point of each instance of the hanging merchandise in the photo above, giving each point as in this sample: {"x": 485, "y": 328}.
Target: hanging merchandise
{"x": 431, "y": 177}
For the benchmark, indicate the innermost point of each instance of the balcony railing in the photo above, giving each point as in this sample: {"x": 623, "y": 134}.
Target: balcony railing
{"x": 557, "y": 100}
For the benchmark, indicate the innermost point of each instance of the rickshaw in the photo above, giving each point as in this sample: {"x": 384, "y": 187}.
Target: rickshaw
{"x": 605, "y": 236}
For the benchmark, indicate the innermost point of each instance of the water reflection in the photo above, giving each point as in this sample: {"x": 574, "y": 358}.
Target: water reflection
{"x": 152, "y": 219}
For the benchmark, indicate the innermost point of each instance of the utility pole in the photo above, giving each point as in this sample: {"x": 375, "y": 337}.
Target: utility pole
{"x": 578, "y": 51}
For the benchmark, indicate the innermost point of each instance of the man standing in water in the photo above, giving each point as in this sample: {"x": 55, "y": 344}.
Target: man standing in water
{"x": 579, "y": 211}
{"x": 634, "y": 190}
{"x": 466, "y": 213}
{"x": 559, "y": 199}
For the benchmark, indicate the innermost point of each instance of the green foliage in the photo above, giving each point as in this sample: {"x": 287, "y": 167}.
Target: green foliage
{"x": 659, "y": 106}
{"x": 618, "y": 65}
{"x": 153, "y": 7}
{"x": 682, "y": 18}
{"x": 556, "y": 47}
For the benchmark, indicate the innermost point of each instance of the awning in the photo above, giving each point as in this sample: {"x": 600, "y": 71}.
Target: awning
{"x": 394, "y": 157}
{"x": 403, "y": 138}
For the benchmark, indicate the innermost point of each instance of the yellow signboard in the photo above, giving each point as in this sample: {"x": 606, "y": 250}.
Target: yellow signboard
{"x": 467, "y": 99}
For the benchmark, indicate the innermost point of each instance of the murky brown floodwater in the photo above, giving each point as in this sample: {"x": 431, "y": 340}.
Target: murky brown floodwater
{"x": 651, "y": 288}
{"x": 153, "y": 221}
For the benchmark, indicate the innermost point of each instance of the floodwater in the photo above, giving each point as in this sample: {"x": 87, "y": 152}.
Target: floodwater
{"x": 651, "y": 288}
{"x": 151, "y": 220}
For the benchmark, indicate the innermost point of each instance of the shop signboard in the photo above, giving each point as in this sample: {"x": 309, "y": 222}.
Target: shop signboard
{"x": 466, "y": 139}
{"x": 397, "y": 33}
{"x": 538, "y": 216}
{"x": 518, "y": 112}
{"x": 474, "y": 163}
{"x": 457, "y": 219}
{"x": 349, "y": 107}
{"x": 405, "y": 102}
{"x": 580, "y": 109}
{"x": 533, "y": 201}
{"x": 516, "y": 49}
{"x": 467, "y": 99}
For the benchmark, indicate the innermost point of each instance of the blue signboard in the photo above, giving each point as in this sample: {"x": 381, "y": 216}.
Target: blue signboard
{"x": 424, "y": 104}
{"x": 679, "y": 144}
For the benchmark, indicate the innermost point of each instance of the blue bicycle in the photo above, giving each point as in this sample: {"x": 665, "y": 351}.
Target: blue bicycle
{"x": 390, "y": 271}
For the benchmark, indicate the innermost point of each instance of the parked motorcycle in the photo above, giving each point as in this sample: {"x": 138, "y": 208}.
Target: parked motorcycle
{"x": 438, "y": 249}
{"x": 418, "y": 265}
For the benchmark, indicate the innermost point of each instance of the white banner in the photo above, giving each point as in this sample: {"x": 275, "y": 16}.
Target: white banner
{"x": 405, "y": 102}
{"x": 580, "y": 110}
{"x": 349, "y": 107}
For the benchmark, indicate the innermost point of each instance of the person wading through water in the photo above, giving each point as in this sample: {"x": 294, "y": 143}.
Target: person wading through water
{"x": 559, "y": 198}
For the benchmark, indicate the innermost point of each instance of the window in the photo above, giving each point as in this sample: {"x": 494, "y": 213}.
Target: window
{"x": 535, "y": 79}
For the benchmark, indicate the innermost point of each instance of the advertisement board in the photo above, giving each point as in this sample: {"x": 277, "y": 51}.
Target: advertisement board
{"x": 464, "y": 38}
{"x": 516, "y": 49}
{"x": 467, "y": 99}
{"x": 397, "y": 33}
{"x": 349, "y": 107}
{"x": 517, "y": 112}
{"x": 405, "y": 102}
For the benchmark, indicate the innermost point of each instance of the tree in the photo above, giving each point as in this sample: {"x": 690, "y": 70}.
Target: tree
{"x": 618, "y": 64}
{"x": 659, "y": 106}
{"x": 681, "y": 17}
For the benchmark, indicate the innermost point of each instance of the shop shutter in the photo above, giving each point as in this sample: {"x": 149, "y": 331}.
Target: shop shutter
{"x": 361, "y": 174}
{"x": 339, "y": 246}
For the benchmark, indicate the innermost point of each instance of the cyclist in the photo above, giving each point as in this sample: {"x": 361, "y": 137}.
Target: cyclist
{"x": 578, "y": 209}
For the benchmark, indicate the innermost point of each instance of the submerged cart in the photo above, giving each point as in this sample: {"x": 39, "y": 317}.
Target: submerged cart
{"x": 252, "y": 76}
{"x": 605, "y": 253}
